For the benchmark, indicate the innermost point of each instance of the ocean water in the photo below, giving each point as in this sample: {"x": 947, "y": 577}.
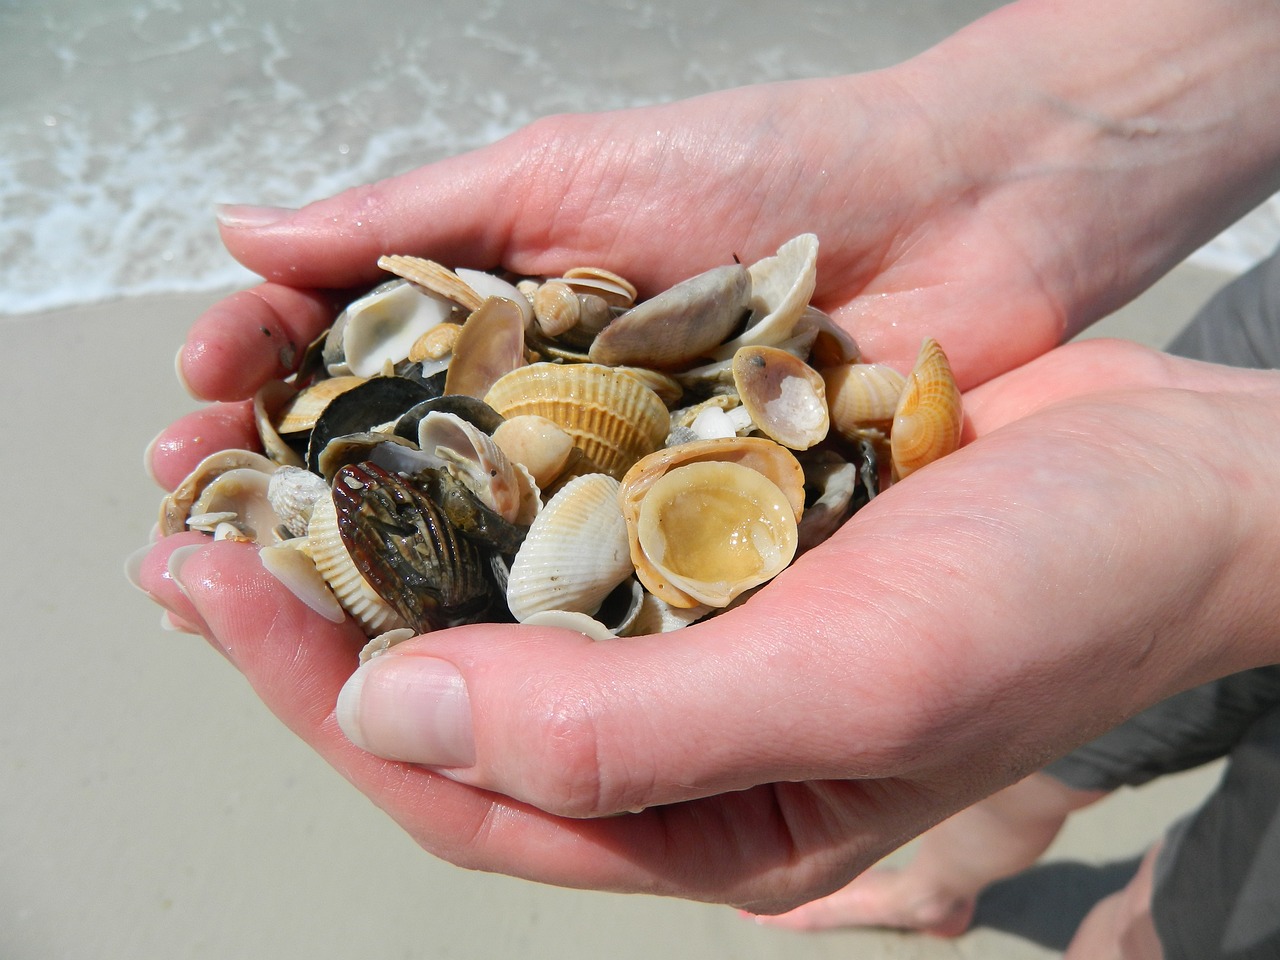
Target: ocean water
{"x": 123, "y": 123}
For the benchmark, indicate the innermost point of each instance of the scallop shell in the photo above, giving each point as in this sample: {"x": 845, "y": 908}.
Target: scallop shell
{"x": 781, "y": 286}
{"x": 679, "y": 325}
{"x": 927, "y": 422}
{"x": 613, "y": 418}
{"x": 862, "y": 396}
{"x": 329, "y": 554}
{"x": 576, "y": 551}
{"x": 713, "y": 530}
{"x": 432, "y": 276}
{"x": 785, "y": 396}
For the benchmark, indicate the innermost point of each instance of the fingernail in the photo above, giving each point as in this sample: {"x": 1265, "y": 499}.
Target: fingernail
{"x": 133, "y": 566}
{"x": 176, "y": 559}
{"x": 246, "y": 215}
{"x": 412, "y": 708}
{"x": 170, "y": 625}
{"x": 181, "y": 374}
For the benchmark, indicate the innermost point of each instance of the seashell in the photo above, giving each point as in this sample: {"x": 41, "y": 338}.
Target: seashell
{"x": 538, "y": 444}
{"x": 559, "y": 309}
{"x": 657, "y": 616}
{"x": 474, "y": 411}
{"x": 771, "y": 460}
{"x": 293, "y": 493}
{"x": 362, "y": 408}
{"x": 616, "y": 290}
{"x": 289, "y": 563}
{"x": 299, "y": 414}
{"x": 431, "y": 276}
{"x": 488, "y": 285}
{"x": 405, "y": 549}
{"x": 186, "y": 498}
{"x": 383, "y": 642}
{"x": 324, "y": 546}
{"x": 490, "y": 345}
{"x": 576, "y": 551}
{"x": 268, "y": 403}
{"x": 713, "y": 530}
{"x": 381, "y": 327}
{"x": 354, "y": 448}
{"x": 664, "y": 385}
{"x": 862, "y": 396}
{"x": 832, "y": 486}
{"x": 465, "y": 511}
{"x": 926, "y": 424}
{"x": 679, "y": 325}
{"x": 781, "y": 286}
{"x": 480, "y": 463}
{"x": 574, "y": 620}
{"x": 436, "y": 344}
{"x": 785, "y": 397}
{"x": 613, "y": 418}
{"x": 832, "y": 344}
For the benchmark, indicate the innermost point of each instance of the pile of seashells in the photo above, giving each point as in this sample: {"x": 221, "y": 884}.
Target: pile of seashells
{"x": 459, "y": 447}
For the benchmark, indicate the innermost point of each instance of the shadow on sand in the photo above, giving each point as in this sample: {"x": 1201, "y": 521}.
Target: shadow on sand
{"x": 1045, "y": 904}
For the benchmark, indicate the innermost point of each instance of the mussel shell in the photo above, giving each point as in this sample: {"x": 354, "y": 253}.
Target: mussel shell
{"x": 407, "y": 550}
{"x": 377, "y": 401}
{"x": 476, "y": 412}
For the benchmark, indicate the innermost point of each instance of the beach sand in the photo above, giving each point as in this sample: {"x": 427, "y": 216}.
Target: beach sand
{"x": 152, "y": 806}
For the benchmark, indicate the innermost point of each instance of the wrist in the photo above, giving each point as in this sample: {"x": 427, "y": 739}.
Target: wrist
{"x": 1111, "y": 142}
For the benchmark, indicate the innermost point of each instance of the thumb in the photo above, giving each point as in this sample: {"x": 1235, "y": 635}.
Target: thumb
{"x": 796, "y": 684}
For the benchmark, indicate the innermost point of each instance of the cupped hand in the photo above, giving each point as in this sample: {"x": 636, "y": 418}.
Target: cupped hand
{"x": 1105, "y": 539}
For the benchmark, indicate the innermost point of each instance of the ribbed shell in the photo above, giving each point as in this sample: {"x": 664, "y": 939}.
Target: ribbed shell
{"x": 927, "y": 423}
{"x": 613, "y": 418}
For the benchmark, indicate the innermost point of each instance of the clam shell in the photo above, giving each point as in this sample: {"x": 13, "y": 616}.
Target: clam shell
{"x": 785, "y": 396}
{"x": 862, "y": 396}
{"x": 561, "y": 310}
{"x": 268, "y": 404}
{"x": 478, "y": 461}
{"x": 289, "y": 563}
{"x": 490, "y": 345}
{"x": 489, "y": 285}
{"x": 927, "y": 422}
{"x": 380, "y": 328}
{"x": 576, "y": 551}
{"x": 329, "y": 554}
{"x": 613, "y": 418}
{"x": 713, "y": 530}
{"x": 300, "y": 413}
{"x": 770, "y": 459}
{"x": 542, "y": 447}
{"x": 679, "y": 325}
{"x": 617, "y": 291}
{"x": 781, "y": 286}
{"x": 181, "y": 503}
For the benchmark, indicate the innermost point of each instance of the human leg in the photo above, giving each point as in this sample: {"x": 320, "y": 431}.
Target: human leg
{"x": 936, "y": 892}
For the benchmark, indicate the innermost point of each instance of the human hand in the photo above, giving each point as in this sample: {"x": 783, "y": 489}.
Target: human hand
{"x": 1105, "y": 539}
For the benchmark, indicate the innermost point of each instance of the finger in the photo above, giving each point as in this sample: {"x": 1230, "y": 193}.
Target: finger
{"x": 154, "y": 571}
{"x": 178, "y": 448}
{"x": 251, "y": 337}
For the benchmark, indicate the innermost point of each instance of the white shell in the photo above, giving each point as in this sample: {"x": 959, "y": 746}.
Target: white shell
{"x": 382, "y": 326}
{"x": 781, "y": 286}
{"x": 292, "y": 567}
{"x": 576, "y": 551}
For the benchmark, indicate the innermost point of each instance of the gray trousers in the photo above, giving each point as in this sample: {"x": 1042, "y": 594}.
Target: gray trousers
{"x": 1217, "y": 880}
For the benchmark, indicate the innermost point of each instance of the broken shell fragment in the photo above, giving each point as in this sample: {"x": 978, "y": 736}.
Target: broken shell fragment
{"x": 784, "y": 395}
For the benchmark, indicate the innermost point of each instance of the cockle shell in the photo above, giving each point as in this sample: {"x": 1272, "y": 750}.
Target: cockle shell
{"x": 538, "y": 444}
{"x": 446, "y": 440}
{"x": 862, "y": 396}
{"x": 679, "y": 325}
{"x": 432, "y": 276}
{"x": 324, "y": 546}
{"x": 785, "y": 397}
{"x": 560, "y": 310}
{"x": 575, "y": 553}
{"x": 781, "y": 286}
{"x": 759, "y": 455}
{"x": 613, "y": 418}
{"x": 926, "y": 424}
{"x": 713, "y": 530}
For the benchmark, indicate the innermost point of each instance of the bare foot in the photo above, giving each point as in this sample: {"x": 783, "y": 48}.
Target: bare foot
{"x": 882, "y": 898}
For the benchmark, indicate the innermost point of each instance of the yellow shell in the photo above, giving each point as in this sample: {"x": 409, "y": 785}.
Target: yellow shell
{"x": 927, "y": 422}
{"x": 762, "y": 456}
{"x": 614, "y": 419}
{"x": 785, "y": 396}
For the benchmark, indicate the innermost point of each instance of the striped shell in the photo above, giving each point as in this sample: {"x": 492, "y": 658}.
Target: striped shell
{"x": 613, "y": 418}
{"x": 927, "y": 422}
